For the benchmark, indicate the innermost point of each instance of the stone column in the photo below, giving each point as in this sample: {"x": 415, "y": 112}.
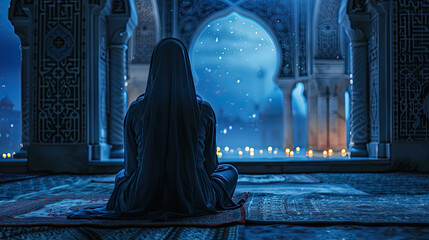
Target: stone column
{"x": 62, "y": 75}
{"x": 356, "y": 20}
{"x": 287, "y": 116}
{"x": 312, "y": 133}
{"x": 359, "y": 114}
{"x": 333, "y": 112}
{"x": 322, "y": 121}
{"x": 341, "y": 134}
{"x": 120, "y": 26}
{"x": 118, "y": 100}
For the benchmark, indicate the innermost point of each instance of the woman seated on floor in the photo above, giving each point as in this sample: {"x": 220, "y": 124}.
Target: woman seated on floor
{"x": 171, "y": 167}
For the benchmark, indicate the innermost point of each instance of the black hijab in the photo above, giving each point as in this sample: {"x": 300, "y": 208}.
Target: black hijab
{"x": 169, "y": 182}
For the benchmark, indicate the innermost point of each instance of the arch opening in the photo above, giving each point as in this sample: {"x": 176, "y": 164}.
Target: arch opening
{"x": 235, "y": 61}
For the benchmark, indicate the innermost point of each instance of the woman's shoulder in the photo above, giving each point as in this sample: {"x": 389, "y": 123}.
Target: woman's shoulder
{"x": 205, "y": 105}
{"x": 136, "y": 104}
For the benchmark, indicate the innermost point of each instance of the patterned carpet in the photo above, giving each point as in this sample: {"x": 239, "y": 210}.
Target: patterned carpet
{"x": 337, "y": 209}
{"x": 299, "y": 204}
{"x": 83, "y": 233}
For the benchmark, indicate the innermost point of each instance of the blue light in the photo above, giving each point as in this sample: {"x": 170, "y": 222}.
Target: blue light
{"x": 234, "y": 68}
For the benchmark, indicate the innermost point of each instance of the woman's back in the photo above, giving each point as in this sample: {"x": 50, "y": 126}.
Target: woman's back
{"x": 170, "y": 163}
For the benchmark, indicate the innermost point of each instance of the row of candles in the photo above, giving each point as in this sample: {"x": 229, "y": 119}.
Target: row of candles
{"x": 288, "y": 152}
{"x": 7, "y": 155}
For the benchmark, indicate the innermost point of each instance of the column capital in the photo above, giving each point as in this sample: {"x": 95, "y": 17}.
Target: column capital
{"x": 121, "y": 21}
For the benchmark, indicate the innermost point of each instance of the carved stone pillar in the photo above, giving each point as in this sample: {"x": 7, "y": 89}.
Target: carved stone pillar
{"x": 312, "y": 133}
{"x": 356, "y": 21}
{"x": 121, "y": 25}
{"x": 333, "y": 112}
{"x": 118, "y": 100}
{"x": 341, "y": 128}
{"x": 64, "y": 73}
{"x": 287, "y": 115}
{"x": 359, "y": 114}
{"x": 322, "y": 121}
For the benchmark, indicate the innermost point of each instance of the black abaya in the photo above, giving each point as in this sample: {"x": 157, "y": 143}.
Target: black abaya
{"x": 170, "y": 168}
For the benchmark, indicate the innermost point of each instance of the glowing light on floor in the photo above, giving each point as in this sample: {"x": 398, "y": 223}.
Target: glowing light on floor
{"x": 343, "y": 152}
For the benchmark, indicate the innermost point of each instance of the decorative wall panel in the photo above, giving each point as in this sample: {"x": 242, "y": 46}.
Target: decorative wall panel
{"x": 373, "y": 57}
{"x": 192, "y": 13}
{"x": 102, "y": 80}
{"x": 328, "y": 30}
{"x": 59, "y": 92}
{"x": 279, "y": 16}
{"x": 411, "y": 66}
{"x": 302, "y": 37}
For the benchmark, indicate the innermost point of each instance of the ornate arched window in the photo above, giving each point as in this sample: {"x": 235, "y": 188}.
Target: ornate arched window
{"x": 235, "y": 61}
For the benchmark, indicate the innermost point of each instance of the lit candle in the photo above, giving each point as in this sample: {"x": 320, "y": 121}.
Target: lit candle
{"x": 220, "y": 154}
{"x": 252, "y": 149}
{"x": 4, "y": 155}
{"x": 287, "y": 151}
{"x": 325, "y": 153}
{"x": 252, "y": 154}
{"x": 261, "y": 151}
{"x": 298, "y": 149}
{"x": 270, "y": 149}
{"x": 291, "y": 153}
{"x": 240, "y": 153}
{"x": 218, "y": 149}
{"x": 343, "y": 152}
{"x": 310, "y": 153}
{"x": 275, "y": 151}
{"x": 226, "y": 149}
{"x": 330, "y": 152}
{"x": 9, "y": 155}
{"x": 246, "y": 149}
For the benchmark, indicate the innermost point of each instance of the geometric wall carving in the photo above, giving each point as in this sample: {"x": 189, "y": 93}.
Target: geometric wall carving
{"x": 279, "y": 16}
{"x": 192, "y": 13}
{"x": 59, "y": 93}
{"x": 411, "y": 67}
{"x": 328, "y": 30}
{"x": 373, "y": 58}
{"x": 303, "y": 9}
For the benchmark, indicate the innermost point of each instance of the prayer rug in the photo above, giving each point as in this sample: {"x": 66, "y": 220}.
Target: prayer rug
{"x": 53, "y": 209}
{"x": 337, "y": 209}
{"x": 83, "y": 233}
{"x": 250, "y": 179}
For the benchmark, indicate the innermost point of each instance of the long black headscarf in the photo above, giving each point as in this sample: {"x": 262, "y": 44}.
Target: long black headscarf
{"x": 169, "y": 182}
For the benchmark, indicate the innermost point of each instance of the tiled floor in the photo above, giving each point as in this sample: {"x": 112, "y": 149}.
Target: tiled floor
{"x": 379, "y": 184}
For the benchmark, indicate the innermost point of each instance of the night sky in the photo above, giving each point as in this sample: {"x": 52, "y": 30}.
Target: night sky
{"x": 10, "y": 58}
